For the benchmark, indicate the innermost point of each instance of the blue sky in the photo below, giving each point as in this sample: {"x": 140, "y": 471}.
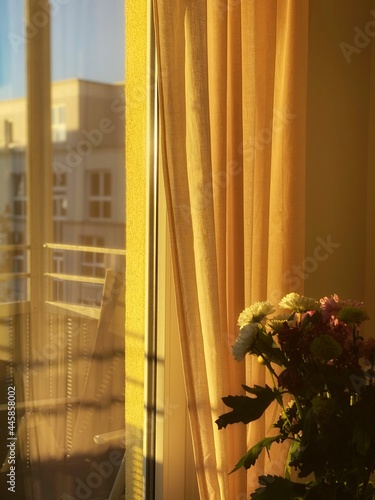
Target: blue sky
{"x": 87, "y": 41}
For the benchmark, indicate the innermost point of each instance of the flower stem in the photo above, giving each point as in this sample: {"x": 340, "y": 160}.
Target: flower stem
{"x": 354, "y": 333}
{"x": 273, "y": 374}
{"x": 366, "y": 481}
{"x": 269, "y": 366}
{"x": 298, "y": 405}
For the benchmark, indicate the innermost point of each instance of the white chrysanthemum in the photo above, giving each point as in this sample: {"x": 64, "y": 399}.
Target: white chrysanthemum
{"x": 255, "y": 313}
{"x": 278, "y": 322}
{"x": 299, "y": 303}
{"x": 245, "y": 341}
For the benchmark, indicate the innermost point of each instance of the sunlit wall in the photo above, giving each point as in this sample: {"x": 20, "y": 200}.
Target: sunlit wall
{"x": 136, "y": 99}
{"x": 340, "y": 152}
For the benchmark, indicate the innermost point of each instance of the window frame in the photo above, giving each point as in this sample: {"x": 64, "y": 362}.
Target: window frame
{"x": 40, "y": 189}
{"x": 41, "y": 225}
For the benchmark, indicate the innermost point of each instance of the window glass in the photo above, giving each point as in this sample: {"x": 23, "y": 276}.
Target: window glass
{"x": 67, "y": 374}
{"x": 13, "y": 147}
{"x": 58, "y": 122}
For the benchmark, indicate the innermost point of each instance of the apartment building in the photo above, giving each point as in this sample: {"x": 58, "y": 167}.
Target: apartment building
{"x": 68, "y": 370}
{"x": 87, "y": 204}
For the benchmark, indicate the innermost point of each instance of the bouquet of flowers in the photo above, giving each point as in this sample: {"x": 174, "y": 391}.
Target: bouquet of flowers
{"x": 322, "y": 374}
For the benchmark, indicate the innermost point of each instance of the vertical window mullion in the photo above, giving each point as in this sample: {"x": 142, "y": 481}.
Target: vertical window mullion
{"x": 39, "y": 178}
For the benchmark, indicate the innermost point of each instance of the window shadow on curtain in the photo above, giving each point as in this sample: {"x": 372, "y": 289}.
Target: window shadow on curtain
{"x": 232, "y": 85}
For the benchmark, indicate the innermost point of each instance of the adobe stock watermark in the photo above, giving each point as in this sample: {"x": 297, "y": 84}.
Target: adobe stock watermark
{"x": 61, "y": 338}
{"x": 91, "y": 139}
{"x": 365, "y": 379}
{"x": 263, "y": 138}
{"x": 85, "y": 488}
{"x": 220, "y": 179}
{"x": 358, "y": 382}
{"x": 297, "y": 274}
{"x": 294, "y": 277}
{"x": 323, "y": 250}
{"x": 12, "y": 438}
{"x": 362, "y": 38}
{"x": 281, "y": 118}
{"x": 38, "y": 20}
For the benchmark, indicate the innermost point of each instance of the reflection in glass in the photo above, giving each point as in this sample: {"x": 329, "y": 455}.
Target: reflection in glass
{"x": 69, "y": 375}
{"x": 12, "y": 155}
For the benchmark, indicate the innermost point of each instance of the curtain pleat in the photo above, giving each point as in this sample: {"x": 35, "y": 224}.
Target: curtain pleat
{"x": 274, "y": 168}
{"x": 232, "y": 82}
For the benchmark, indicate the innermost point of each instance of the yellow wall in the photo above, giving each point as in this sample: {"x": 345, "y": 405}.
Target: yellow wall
{"x": 338, "y": 151}
{"x": 136, "y": 98}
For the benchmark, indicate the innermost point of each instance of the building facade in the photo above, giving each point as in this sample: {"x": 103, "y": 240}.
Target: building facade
{"x": 87, "y": 201}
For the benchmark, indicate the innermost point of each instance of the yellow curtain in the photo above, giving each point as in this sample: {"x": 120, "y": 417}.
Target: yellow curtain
{"x": 232, "y": 82}
{"x": 274, "y": 171}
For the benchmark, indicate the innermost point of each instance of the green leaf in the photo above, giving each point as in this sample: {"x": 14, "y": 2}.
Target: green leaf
{"x": 278, "y": 488}
{"x": 309, "y": 427}
{"x": 291, "y": 452}
{"x": 370, "y": 492}
{"x": 258, "y": 390}
{"x": 266, "y": 345}
{"x": 246, "y": 409}
{"x": 314, "y": 319}
{"x": 361, "y": 439}
{"x": 252, "y": 455}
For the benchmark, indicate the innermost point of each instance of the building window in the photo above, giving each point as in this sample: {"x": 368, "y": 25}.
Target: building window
{"x": 19, "y": 195}
{"x": 15, "y": 238}
{"x": 100, "y": 195}
{"x": 19, "y": 255}
{"x": 58, "y": 123}
{"x": 19, "y": 261}
{"x": 93, "y": 262}
{"x": 8, "y": 133}
{"x": 60, "y": 197}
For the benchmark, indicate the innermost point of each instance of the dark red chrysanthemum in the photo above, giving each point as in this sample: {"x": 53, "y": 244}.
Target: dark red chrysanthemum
{"x": 290, "y": 339}
{"x": 291, "y": 379}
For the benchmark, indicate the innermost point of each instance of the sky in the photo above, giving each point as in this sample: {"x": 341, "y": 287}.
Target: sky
{"x": 87, "y": 41}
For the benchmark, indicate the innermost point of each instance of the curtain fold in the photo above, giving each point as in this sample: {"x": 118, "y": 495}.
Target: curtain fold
{"x": 274, "y": 169}
{"x": 232, "y": 82}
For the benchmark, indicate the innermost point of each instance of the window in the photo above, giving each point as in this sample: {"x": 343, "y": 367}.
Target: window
{"x": 100, "y": 194}
{"x": 92, "y": 262}
{"x": 19, "y": 195}
{"x": 18, "y": 261}
{"x": 60, "y": 200}
{"x": 60, "y": 207}
{"x": 62, "y": 268}
{"x": 58, "y": 123}
{"x": 8, "y": 133}
{"x": 67, "y": 279}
